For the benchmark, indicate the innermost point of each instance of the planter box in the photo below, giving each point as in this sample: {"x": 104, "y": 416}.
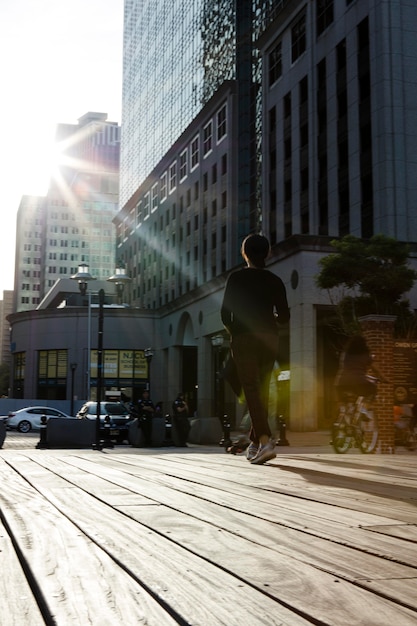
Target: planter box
{"x": 65, "y": 433}
{"x": 136, "y": 436}
{"x": 205, "y": 430}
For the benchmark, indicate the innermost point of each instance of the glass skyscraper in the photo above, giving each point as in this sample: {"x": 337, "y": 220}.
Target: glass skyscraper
{"x": 162, "y": 82}
{"x": 177, "y": 53}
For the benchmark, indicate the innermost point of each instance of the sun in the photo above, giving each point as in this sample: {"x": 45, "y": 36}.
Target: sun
{"x": 40, "y": 163}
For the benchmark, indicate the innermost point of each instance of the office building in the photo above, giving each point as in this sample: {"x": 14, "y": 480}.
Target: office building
{"x": 6, "y": 307}
{"x": 73, "y": 222}
{"x": 176, "y": 55}
{"x": 337, "y": 133}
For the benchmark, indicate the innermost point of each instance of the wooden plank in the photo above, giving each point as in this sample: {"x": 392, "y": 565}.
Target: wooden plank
{"x": 76, "y": 581}
{"x": 342, "y": 506}
{"x": 243, "y": 557}
{"x": 408, "y": 532}
{"x": 196, "y": 590}
{"x": 17, "y": 601}
{"x": 336, "y": 491}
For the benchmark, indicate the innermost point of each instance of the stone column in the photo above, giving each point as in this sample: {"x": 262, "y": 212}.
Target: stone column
{"x": 378, "y": 331}
{"x": 303, "y": 366}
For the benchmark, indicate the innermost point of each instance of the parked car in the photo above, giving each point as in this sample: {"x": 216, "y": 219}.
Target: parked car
{"x": 29, "y": 418}
{"x": 117, "y": 427}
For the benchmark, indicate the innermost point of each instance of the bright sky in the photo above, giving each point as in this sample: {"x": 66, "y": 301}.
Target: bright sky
{"x": 60, "y": 59}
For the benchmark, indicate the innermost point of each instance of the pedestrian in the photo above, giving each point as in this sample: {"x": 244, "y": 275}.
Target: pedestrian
{"x": 146, "y": 411}
{"x": 355, "y": 363}
{"x": 180, "y": 420}
{"x": 254, "y": 301}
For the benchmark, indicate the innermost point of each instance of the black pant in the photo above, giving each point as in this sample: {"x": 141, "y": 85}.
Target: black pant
{"x": 146, "y": 426}
{"x": 182, "y": 426}
{"x": 254, "y": 355}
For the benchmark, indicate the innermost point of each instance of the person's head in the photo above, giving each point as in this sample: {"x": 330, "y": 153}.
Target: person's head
{"x": 255, "y": 249}
{"x": 145, "y": 394}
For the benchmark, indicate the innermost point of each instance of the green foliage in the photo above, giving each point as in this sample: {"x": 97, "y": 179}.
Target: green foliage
{"x": 371, "y": 278}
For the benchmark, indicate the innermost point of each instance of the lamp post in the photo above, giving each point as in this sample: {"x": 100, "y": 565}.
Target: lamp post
{"x": 83, "y": 276}
{"x": 217, "y": 343}
{"x": 73, "y": 368}
{"x": 148, "y": 352}
{"x": 119, "y": 279}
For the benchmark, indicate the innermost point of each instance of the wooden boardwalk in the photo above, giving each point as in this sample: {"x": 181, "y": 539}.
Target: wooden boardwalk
{"x": 195, "y": 536}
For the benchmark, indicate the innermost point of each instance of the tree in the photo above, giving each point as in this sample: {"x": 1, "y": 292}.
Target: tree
{"x": 365, "y": 277}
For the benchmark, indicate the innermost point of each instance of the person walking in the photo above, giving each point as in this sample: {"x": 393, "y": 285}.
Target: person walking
{"x": 254, "y": 301}
{"x": 146, "y": 411}
{"x": 180, "y": 419}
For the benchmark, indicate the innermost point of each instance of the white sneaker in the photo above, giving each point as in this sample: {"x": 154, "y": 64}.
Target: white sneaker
{"x": 265, "y": 453}
{"x": 252, "y": 450}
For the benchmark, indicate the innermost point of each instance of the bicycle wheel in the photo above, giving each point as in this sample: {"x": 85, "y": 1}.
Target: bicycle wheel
{"x": 411, "y": 440}
{"x": 341, "y": 435}
{"x": 367, "y": 434}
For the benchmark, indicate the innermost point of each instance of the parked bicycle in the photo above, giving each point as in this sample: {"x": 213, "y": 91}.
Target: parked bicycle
{"x": 356, "y": 425}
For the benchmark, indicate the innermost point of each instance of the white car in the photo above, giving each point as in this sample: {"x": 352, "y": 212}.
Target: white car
{"x": 29, "y": 418}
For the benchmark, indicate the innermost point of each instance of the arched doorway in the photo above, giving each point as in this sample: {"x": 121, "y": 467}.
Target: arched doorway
{"x": 188, "y": 361}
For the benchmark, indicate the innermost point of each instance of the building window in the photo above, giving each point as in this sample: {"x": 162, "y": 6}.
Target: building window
{"x": 172, "y": 176}
{"x": 275, "y": 64}
{"x": 224, "y": 164}
{"x": 146, "y": 204}
{"x": 139, "y": 212}
{"x": 195, "y": 152}
{"x": 298, "y": 37}
{"x": 207, "y": 138}
{"x": 183, "y": 165}
{"x": 154, "y": 199}
{"x": 163, "y": 186}
{"x": 324, "y": 15}
{"x": 214, "y": 174}
{"x": 221, "y": 123}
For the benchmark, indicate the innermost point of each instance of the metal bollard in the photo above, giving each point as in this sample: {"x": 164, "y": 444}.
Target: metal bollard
{"x": 281, "y": 423}
{"x": 42, "y": 443}
{"x": 106, "y": 439}
{"x": 226, "y": 441}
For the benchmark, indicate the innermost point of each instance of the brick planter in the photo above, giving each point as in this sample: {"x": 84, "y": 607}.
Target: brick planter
{"x": 378, "y": 331}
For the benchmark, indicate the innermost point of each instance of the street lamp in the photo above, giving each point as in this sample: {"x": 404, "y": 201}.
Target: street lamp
{"x": 120, "y": 279}
{"x": 148, "y": 352}
{"x": 83, "y": 276}
{"x": 73, "y": 368}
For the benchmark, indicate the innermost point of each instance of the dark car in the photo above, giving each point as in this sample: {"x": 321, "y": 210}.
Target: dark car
{"x": 116, "y": 427}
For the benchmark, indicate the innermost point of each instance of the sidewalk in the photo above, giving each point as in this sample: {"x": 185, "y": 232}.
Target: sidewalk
{"x": 317, "y": 442}
{"x": 317, "y": 438}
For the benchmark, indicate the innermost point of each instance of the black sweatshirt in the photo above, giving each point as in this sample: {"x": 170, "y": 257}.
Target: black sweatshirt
{"x": 251, "y": 298}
